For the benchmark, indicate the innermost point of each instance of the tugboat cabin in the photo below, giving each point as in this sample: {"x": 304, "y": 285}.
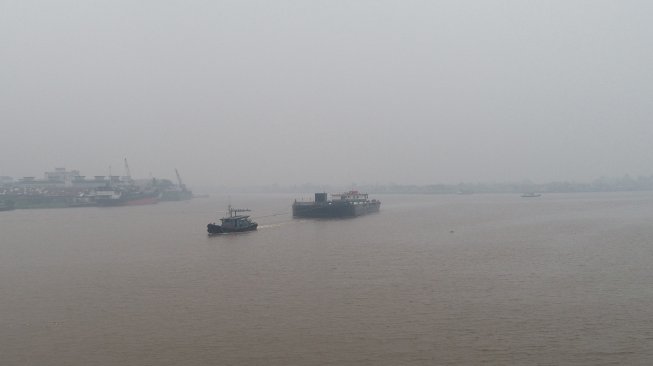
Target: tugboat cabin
{"x": 235, "y": 222}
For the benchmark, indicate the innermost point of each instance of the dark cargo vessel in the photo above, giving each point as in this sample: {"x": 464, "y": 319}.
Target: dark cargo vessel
{"x": 349, "y": 204}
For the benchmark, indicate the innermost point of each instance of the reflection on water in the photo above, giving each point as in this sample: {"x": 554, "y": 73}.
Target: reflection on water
{"x": 466, "y": 279}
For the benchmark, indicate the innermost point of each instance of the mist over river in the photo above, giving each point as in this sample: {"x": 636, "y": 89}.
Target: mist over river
{"x": 431, "y": 279}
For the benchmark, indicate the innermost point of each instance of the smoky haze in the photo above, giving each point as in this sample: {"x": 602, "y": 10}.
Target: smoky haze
{"x": 333, "y": 92}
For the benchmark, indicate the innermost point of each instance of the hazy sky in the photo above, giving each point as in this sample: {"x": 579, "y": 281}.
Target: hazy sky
{"x": 328, "y": 92}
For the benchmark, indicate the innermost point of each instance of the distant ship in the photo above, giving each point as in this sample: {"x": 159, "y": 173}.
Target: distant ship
{"x": 349, "y": 204}
{"x": 123, "y": 196}
{"x": 530, "y": 195}
{"x": 6, "y": 205}
{"x": 178, "y": 192}
{"x": 232, "y": 223}
{"x": 63, "y": 188}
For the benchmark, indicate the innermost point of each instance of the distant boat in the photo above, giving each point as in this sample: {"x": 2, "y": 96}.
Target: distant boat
{"x": 530, "y": 195}
{"x": 178, "y": 192}
{"x": 6, "y": 205}
{"x": 233, "y": 223}
{"x": 125, "y": 196}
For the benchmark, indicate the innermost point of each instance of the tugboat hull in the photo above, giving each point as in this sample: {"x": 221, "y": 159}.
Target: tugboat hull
{"x": 217, "y": 229}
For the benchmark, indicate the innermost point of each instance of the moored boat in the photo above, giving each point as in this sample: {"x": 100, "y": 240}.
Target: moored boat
{"x": 232, "y": 223}
{"x": 112, "y": 196}
{"x": 177, "y": 192}
{"x": 6, "y": 205}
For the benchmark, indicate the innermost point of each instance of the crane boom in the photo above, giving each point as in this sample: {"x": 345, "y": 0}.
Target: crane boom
{"x": 181, "y": 185}
{"x": 128, "y": 173}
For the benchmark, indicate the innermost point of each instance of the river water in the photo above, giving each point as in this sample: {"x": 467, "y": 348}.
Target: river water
{"x": 469, "y": 279}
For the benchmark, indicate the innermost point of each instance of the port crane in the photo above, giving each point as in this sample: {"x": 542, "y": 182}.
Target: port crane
{"x": 181, "y": 185}
{"x": 128, "y": 174}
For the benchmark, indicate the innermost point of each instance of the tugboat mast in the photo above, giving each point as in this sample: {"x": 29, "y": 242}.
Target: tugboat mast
{"x": 234, "y": 211}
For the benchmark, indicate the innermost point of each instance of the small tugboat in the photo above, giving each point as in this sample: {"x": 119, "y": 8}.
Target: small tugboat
{"x": 234, "y": 223}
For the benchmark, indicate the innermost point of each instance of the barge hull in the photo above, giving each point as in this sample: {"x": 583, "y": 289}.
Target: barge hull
{"x": 351, "y": 204}
{"x": 326, "y": 211}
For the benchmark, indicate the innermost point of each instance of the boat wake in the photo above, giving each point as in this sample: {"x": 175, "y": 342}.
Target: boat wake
{"x": 275, "y": 225}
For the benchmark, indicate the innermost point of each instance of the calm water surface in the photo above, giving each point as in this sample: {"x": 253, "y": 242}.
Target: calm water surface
{"x": 476, "y": 279}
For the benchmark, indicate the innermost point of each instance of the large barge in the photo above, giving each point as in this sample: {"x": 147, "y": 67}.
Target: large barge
{"x": 349, "y": 204}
